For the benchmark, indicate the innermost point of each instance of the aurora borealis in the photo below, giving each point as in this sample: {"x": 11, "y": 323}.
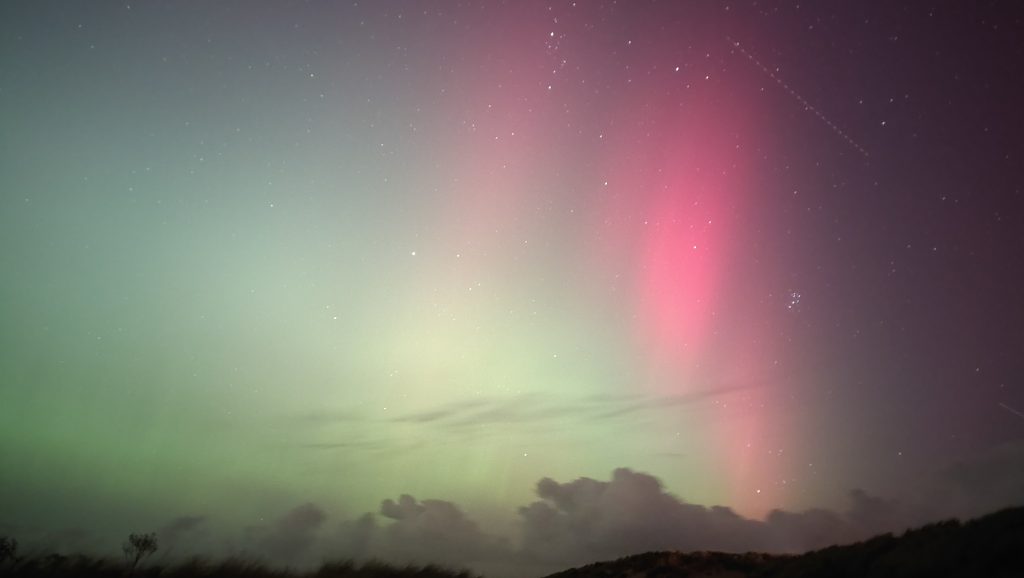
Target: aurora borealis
{"x": 265, "y": 254}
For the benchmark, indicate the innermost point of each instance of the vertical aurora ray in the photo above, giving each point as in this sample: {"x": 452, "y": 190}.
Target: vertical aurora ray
{"x": 673, "y": 217}
{"x": 649, "y": 183}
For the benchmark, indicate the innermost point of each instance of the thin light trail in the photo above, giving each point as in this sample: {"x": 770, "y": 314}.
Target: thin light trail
{"x": 1011, "y": 410}
{"x": 807, "y": 106}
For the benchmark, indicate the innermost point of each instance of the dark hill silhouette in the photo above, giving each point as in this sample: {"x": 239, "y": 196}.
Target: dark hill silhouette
{"x": 987, "y": 547}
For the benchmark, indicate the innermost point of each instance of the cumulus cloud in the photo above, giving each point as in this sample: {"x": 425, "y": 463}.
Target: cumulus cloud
{"x": 355, "y": 538}
{"x": 586, "y": 520}
{"x": 291, "y": 536}
{"x": 179, "y": 530}
{"x": 408, "y": 530}
{"x": 432, "y": 531}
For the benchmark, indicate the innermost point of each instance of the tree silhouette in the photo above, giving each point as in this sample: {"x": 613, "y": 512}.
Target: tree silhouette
{"x": 138, "y": 547}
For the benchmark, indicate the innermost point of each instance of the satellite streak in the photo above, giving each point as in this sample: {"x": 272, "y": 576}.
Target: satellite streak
{"x": 1011, "y": 410}
{"x": 796, "y": 95}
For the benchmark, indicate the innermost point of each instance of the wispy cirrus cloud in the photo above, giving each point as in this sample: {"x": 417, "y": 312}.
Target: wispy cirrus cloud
{"x": 527, "y": 408}
{"x": 534, "y": 410}
{"x": 538, "y": 408}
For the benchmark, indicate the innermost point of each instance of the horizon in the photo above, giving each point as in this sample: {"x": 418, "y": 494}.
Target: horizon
{"x": 575, "y": 277}
{"x": 874, "y": 550}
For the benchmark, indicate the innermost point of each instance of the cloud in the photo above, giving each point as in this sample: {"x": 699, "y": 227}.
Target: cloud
{"x": 575, "y": 522}
{"x": 801, "y": 531}
{"x": 535, "y": 408}
{"x": 414, "y": 531}
{"x": 353, "y": 445}
{"x": 870, "y": 515}
{"x": 179, "y": 530}
{"x": 488, "y": 416}
{"x": 518, "y": 409}
{"x": 989, "y": 480}
{"x": 587, "y": 520}
{"x": 626, "y": 407}
{"x": 292, "y": 536}
{"x": 355, "y": 538}
{"x": 443, "y": 412}
{"x": 433, "y": 531}
{"x": 328, "y": 417}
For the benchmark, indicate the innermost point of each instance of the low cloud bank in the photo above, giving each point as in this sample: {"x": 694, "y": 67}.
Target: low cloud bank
{"x": 181, "y": 531}
{"x": 433, "y": 530}
{"x": 290, "y": 539}
{"x": 586, "y": 520}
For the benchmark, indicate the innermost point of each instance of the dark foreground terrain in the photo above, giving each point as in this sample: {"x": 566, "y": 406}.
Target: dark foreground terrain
{"x": 54, "y": 566}
{"x": 988, "y": 547}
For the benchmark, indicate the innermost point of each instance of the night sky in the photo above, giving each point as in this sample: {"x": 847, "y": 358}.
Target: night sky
{"x": 268, "y": 265}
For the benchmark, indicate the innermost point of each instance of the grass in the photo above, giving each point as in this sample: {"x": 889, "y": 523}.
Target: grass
{"x": 79, "y": 566}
